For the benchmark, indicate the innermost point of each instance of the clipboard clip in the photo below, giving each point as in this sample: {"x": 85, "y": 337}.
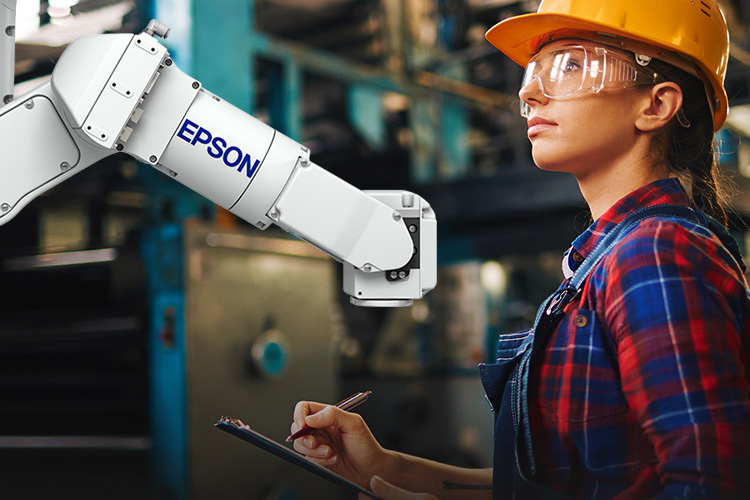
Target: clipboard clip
{"x": 234, "y": 422}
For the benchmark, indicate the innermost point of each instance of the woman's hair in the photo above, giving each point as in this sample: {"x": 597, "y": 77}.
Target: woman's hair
{"x": 689, "y": 151}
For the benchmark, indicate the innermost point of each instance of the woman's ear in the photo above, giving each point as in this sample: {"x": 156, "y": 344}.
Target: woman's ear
{"x": 660, "y": 104}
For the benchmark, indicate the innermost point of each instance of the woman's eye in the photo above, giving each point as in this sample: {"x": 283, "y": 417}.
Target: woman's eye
{"x": 571, "y": 65}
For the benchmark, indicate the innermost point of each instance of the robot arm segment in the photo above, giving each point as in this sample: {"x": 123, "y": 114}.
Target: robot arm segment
{"x": 250, "y": 169}
{"x": 102, "y": 79}
{"x": 28, "y": 169}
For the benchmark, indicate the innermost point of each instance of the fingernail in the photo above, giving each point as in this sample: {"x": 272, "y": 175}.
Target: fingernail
{"x": 308, "y": 442}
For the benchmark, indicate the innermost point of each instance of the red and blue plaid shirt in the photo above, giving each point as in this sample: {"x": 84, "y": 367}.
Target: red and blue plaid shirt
{"x": 643, "y": 390}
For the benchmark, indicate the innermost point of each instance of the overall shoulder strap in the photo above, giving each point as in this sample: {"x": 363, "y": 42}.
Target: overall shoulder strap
{"x": 558, "y": 300}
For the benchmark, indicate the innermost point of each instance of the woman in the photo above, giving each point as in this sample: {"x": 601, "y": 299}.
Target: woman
{"x": 634, "y": 380}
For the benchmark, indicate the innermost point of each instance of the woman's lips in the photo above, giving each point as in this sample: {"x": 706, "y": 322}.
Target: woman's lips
{"x": 538, "y": 125}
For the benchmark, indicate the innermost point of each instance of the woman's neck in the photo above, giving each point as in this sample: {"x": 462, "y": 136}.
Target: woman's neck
{"x": 606, "y": 186}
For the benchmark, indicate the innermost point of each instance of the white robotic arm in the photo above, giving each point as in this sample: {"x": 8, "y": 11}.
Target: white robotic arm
{"x": 112, "y": 93}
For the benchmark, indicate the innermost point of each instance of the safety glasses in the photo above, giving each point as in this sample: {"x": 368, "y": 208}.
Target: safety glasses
{"x": 576, "y": 70}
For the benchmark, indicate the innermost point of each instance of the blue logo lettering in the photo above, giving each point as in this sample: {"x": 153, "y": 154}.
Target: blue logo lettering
{"x": 203, "y": 136}
{"x": 186, "y": 130}
{"x": 231, "y": 156}
{"x": 219, "y": 144}
{"x": 233, "y": 152}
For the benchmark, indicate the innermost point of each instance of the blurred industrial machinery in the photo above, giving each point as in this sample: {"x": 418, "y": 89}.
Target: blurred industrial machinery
{"x": 135, "y": 313}
{"x": 261, "y": 326}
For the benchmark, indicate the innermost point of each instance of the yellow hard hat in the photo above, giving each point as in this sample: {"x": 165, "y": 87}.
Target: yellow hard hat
{"x": 691, "y": 29}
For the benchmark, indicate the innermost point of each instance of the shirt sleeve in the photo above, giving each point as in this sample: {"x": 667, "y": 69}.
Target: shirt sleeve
{"x": 677, "y": 308}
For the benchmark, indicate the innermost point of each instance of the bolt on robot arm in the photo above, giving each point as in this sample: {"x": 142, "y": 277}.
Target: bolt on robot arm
{"x": 111, "y": 93}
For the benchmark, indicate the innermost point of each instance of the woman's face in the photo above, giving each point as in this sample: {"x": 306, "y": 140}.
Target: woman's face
{"x": 580, "y": 133}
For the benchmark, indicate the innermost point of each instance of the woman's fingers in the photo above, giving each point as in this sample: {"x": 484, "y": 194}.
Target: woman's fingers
{"x": 326, "y": 417}
{"x": 312, "y": 447}
{"x": 330, "y": 417}
{"x": 301, "y": 410}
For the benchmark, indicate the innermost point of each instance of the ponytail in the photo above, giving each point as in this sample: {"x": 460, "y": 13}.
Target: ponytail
{"x": 689, "y": 151}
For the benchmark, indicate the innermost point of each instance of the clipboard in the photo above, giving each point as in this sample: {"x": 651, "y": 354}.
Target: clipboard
{"x": 238, "y": 429}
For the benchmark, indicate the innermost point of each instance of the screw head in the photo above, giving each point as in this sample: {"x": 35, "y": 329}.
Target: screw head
{"x": 304, "y": 162}
{"x": 196, "y": 85}
{"x": 29, "y": 104}
{"x": 412, "y": 228}
{"x": 5, "y": 207}
{"x": 10, "y": 30}
{"x": 7, "y": 99}
{"x": 153, "y": 159}
{"x": 367, "y": 268}
{"x": 396, "y": 216}
{"x": 274, "y": 214}
{"x": 119, "y": 147}
{"x": 168, "y": 62}
{"x": 65, "y": 166}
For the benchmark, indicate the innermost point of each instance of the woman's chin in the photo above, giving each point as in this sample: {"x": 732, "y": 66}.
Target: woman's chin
{"x": 548, "y": 164}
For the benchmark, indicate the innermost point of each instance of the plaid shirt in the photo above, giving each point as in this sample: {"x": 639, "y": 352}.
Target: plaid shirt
{"x": 643, "y": 390}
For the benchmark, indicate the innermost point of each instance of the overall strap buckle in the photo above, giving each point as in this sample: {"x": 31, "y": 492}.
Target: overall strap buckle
{"x": 560, "y": 299}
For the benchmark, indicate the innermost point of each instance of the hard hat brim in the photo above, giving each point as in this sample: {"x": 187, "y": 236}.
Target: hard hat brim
{"x": 520, "y": 37}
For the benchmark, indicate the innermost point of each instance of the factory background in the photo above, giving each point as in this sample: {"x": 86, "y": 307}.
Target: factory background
{"x": 135, "y": 313}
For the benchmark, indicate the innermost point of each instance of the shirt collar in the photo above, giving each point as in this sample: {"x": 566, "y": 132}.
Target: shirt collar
{"x": 659, "y": 192}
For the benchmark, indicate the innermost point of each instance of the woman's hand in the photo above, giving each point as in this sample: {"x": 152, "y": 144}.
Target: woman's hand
{"x": 387, "y": 491}
{"x": 341, "y": 442}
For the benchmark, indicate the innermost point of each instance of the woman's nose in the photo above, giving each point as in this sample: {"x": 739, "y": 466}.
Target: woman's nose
{"x": 532, "y": 92}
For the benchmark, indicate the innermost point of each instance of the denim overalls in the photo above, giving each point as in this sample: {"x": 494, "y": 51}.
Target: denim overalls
{"x": 506, "y": 382}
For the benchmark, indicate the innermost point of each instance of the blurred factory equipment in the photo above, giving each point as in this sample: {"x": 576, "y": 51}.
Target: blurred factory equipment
{"x": 73, "y": 344}
{"x": 260, "y": 328}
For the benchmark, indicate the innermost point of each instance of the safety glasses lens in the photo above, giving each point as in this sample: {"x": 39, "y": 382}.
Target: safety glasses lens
{"x": 573, "y": 70}
{"x": 559, "y": 72}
